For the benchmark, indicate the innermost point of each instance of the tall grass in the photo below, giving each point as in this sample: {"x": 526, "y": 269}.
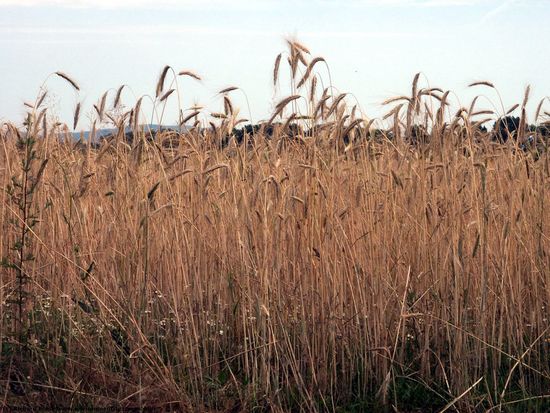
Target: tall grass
{"x": 293, "y": 275}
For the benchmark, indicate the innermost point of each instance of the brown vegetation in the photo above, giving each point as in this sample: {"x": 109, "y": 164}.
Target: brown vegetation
{"x": 291, "y": 275}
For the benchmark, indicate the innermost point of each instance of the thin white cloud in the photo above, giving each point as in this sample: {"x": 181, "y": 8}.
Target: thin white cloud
{"x": 501, "y": 8}
{"x": 201, "y": 4}
{"x": 82, "y": 3}
{"x": 407, "y": 3}
{"x": 165, "y": 29}
{"x": 133, "y": 4}
{"x": 253, "y": 4}
{"x": 443, "y": 3}
{"x": 129, "y": 30}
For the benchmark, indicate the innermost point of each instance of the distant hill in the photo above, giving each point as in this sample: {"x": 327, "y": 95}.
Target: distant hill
{"x": 101, "y": 133}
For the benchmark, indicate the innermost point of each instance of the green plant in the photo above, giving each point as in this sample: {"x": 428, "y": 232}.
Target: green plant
{"x": 21, "y": 191}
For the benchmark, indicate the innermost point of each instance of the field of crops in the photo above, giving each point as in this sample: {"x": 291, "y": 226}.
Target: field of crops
{"x": 321, "y": 261}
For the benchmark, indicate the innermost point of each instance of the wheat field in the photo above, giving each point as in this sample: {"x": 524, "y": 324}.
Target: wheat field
{"x": 300, "y": 272}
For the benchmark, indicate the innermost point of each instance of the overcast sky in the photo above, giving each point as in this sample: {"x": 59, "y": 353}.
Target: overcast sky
{"x": 373, "y": 48}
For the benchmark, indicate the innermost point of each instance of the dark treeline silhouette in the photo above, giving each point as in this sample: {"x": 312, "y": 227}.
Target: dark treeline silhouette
{"x": 503, "y": 130}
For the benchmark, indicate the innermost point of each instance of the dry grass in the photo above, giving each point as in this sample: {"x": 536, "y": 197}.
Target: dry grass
{"x": 301, "y": 276}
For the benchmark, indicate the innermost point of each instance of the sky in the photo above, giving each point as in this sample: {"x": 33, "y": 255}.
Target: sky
{"x": 373, "y": 49}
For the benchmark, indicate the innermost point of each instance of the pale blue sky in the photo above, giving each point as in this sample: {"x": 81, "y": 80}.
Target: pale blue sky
{"x": 373, "y": 48}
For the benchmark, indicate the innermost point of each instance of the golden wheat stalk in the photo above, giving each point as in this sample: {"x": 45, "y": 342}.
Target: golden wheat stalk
{"x": 539, "y": 108}
{"x": 40, "y": 115}
{"x": 276, "y": 69}
{"x": 218, "y": 115}
{"x": 308, "y": 71}
{"x": 394, "y": 111}
{"x": 526, "y": 96}
{"x": 512, "y": 108}
{"x": 352, "y": 125}
{"x": 215, "y": 167}
{"x": 300, "y": 57}
{"x": 76, "y": 115}
{"x": 312, "y": 89}
{"x": 101, "y": 108}
{"x": 413, "y": 107}
{"x": 295, "y": 43}
{"x": 293, "y": 62}
{"x": 41, "y": 99}
{"x": 160, "y": 82}
{"x": 482, "y": 83}
{"x": 472, "y": 105}
{"x": 335, "y": 103}
{"x": 190, "y": 116}
{"x": 396, "y": 99}
{"x": 227, "y": 105}
{"x": 239, "y": 121}
{"x": 482, "y": 112}
{"x": 136, "y": 112}
{"x": 227, "y": 90}
{"x": 117, "y": 96}
{"x": 319, "y": 107}
{"x": 288, "y": 122}
{"x": 281, "y": 105}
{"x": 68, "y": 79}
{"x": 190, "y": 74}
{"x": 166, "y": 94}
